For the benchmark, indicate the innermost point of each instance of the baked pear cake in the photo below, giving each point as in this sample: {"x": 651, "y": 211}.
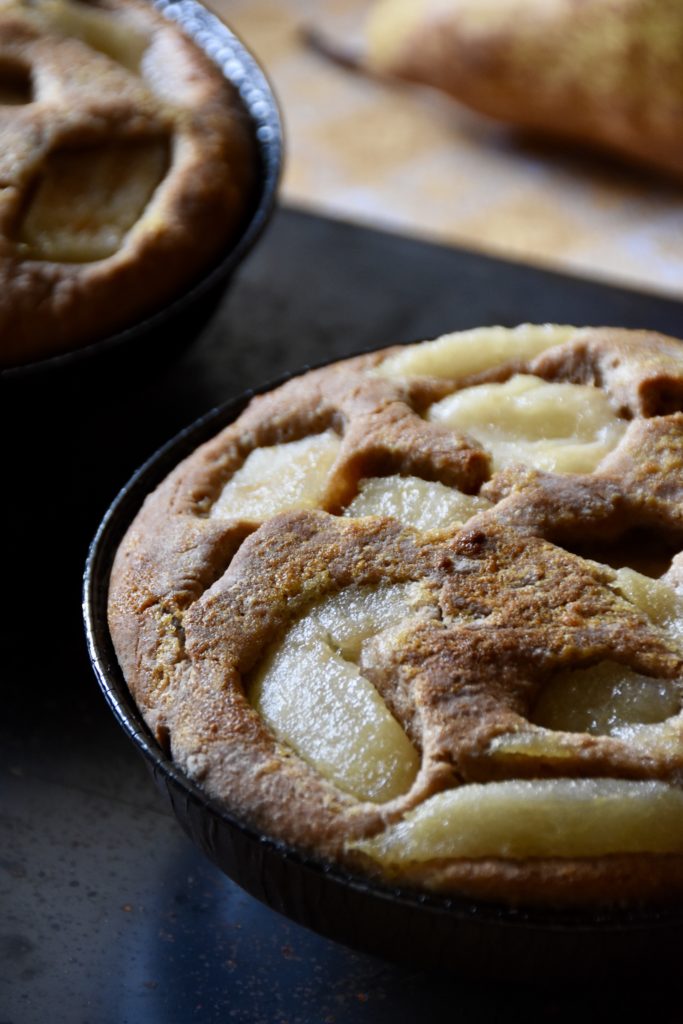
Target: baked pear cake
{"x": 419, "y": 615}
{"x": 127, "y": 168}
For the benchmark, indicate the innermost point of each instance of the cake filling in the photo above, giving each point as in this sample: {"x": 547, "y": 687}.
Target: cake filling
{"x": 86, "y": 200}
{"x": 609, "y": 699}
{"x": 661, "y": 602}
{"x": 536, "y": 818}
{"x": 423, "y": 504}
{"x": 98, "y": 29}
{"x": 556, "y": 427}
{"x": 313, "y": 696}
{"x": 470, "y": 352}
{"x": 606, "y": 700}
{"x": 279, "y": 478}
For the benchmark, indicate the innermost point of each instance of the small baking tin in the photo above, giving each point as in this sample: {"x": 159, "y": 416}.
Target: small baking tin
{"x": 156, "y": 338}
{"x": 474, "y": 939}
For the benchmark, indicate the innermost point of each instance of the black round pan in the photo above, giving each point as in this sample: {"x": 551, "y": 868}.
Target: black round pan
{"x": 475, "y": 939}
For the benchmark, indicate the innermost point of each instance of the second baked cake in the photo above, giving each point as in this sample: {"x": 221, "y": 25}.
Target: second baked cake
{"x": 127, "y": 169}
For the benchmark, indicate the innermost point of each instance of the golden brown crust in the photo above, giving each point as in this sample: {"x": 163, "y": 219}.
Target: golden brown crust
{"x": 85, "y": 101}
{"x": 195, "y": 601}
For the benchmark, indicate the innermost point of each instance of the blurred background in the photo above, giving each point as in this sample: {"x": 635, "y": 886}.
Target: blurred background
{"x": 410, "y": 159}
{"x": 109, "y": 913}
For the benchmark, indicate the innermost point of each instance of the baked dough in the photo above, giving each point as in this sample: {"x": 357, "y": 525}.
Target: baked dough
{"x": 410, "y": 660}
{"x": 126, "y": 166}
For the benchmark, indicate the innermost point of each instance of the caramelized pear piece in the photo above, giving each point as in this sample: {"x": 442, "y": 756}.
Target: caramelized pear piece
{"x": 279, "y": 478}
{"x": 470, "y": 352}
{"x": 538, "y": 818}
{"x": 557, "y": 427}
{"x": 87, "y": 200}
{"x": 312, "y": 694}
{"x": 424, "y": 504}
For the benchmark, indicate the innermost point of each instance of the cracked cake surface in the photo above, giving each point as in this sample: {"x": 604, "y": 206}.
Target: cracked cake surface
{"x": 127, "y": 167}
{"x": 420, "y": 614}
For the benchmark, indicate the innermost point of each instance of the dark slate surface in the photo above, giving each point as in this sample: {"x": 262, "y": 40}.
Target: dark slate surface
{"x": 108, "y": 913}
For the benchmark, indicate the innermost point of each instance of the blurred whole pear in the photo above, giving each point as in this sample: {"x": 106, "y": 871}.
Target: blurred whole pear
{"x": 605, "y": 72}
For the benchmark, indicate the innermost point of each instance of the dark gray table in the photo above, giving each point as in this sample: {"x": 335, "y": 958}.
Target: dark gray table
{"x": 108, "y": 913}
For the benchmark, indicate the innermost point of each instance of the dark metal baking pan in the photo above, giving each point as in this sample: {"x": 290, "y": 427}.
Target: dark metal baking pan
{"x": 472, "y": 938}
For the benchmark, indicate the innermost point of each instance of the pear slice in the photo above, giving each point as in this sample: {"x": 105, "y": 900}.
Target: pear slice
{"x": 313, "y": 696}
{"x": 608, "y": 699}
{"x": 468, "y": 352}
{"x": 86, "y": 200}
{"x": 419, "y": 503}
{"x": 536, "y": 818}
{"x": 660, "y": 601}
{"x": 100, "y": 30}
{"x": 279, "y": 478}
{"x": 556, "y": 427}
